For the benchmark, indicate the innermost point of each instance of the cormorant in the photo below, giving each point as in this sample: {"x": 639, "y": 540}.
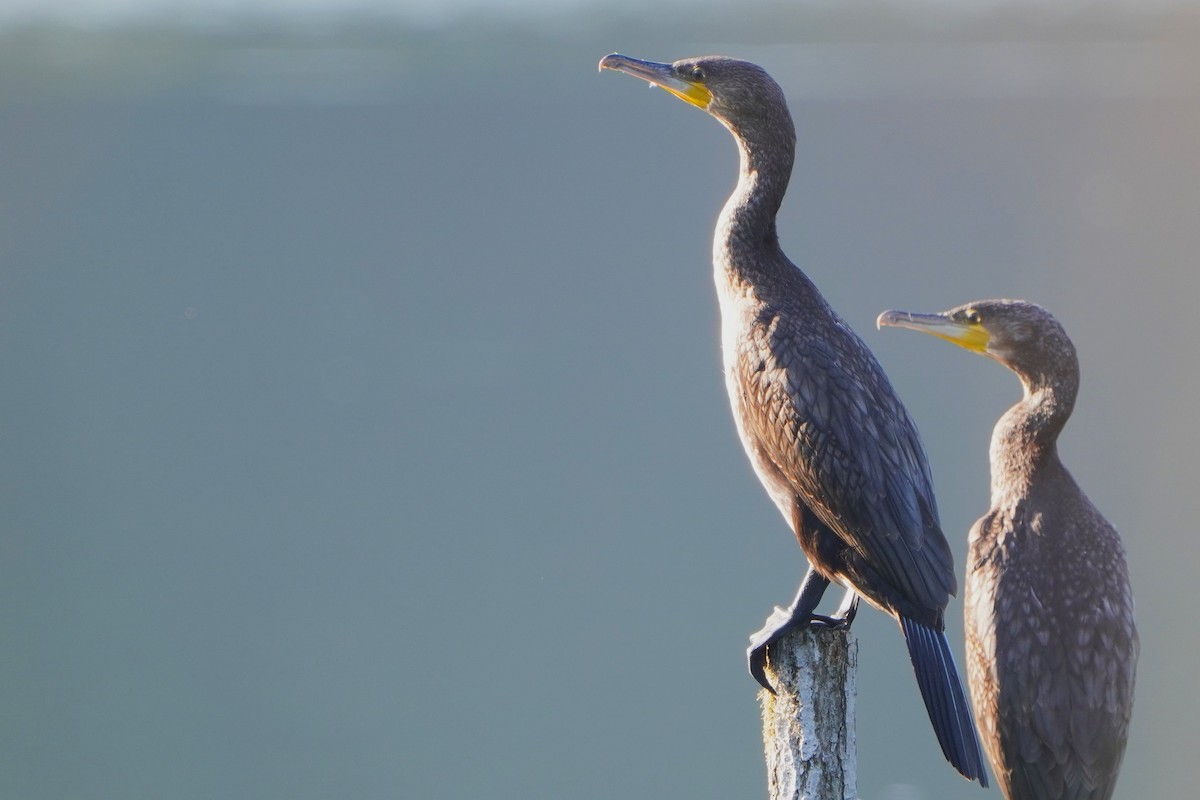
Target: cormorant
{"x": 1051, "y": 643}
{"x": 823, "y": 428}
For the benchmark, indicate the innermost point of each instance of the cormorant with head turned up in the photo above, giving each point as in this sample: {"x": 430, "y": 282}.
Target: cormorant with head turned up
{"x": 1051, "y": 643}
{"x": 818, "y": 418}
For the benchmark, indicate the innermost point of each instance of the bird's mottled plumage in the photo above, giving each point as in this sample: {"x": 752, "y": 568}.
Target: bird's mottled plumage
{"x": 823, "y": 428}
{"x": 1051, "y": 643}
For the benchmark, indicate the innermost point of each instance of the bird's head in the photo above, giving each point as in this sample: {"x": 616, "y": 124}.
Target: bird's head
{"x": 1023, "y": 336}
{"x": 736, "y": 92}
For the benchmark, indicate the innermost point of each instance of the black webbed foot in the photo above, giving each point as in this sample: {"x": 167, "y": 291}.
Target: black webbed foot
{"x": 783, "y": 620}
{"x": 842, "y": 618}
{"x": 778, "y": 624}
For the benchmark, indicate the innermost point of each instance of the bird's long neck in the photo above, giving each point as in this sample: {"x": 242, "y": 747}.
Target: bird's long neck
{"x": 746, "y": 245}
{"x": 1025, "y": 440}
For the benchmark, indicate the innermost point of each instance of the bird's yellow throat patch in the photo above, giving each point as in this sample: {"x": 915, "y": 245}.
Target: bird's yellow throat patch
{"x": 973, "y": 336}
{"x": 695, "y": 93}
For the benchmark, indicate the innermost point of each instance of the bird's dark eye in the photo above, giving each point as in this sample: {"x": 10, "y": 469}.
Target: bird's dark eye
{"x": 973, "y": 317}
{"x": 698, "y": 74}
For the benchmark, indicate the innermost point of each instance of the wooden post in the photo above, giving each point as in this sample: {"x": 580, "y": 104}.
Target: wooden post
{"x": 808, "y": 725}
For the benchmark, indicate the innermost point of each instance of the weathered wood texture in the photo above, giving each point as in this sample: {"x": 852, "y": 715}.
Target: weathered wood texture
{"x": 808, "y": 725}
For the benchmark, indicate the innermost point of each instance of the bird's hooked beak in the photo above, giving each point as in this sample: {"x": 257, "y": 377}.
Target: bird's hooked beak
{"x": 662, "y": 75}
{"x": 971, "y": 335}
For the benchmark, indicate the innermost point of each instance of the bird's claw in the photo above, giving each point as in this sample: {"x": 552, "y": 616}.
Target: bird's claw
{"x": 848, "y": 612}
{"x": 780, "y": 622}
{"x": 756, "y": 660}
{"x": 757, "y": 654}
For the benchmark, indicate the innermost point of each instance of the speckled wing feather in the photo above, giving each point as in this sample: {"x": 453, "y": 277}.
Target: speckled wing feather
{"x": 1047, "y": 653}
{"x": 820, "y": 408}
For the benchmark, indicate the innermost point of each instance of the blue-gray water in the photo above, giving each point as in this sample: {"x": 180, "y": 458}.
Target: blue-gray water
{"x": 363, "y": 432}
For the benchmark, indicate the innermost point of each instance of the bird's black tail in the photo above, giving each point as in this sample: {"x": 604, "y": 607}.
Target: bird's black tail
{"x": 942, "y": 692}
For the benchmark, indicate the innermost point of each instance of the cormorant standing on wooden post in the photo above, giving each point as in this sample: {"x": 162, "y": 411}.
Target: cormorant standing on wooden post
{"x": 818, "y": 418}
